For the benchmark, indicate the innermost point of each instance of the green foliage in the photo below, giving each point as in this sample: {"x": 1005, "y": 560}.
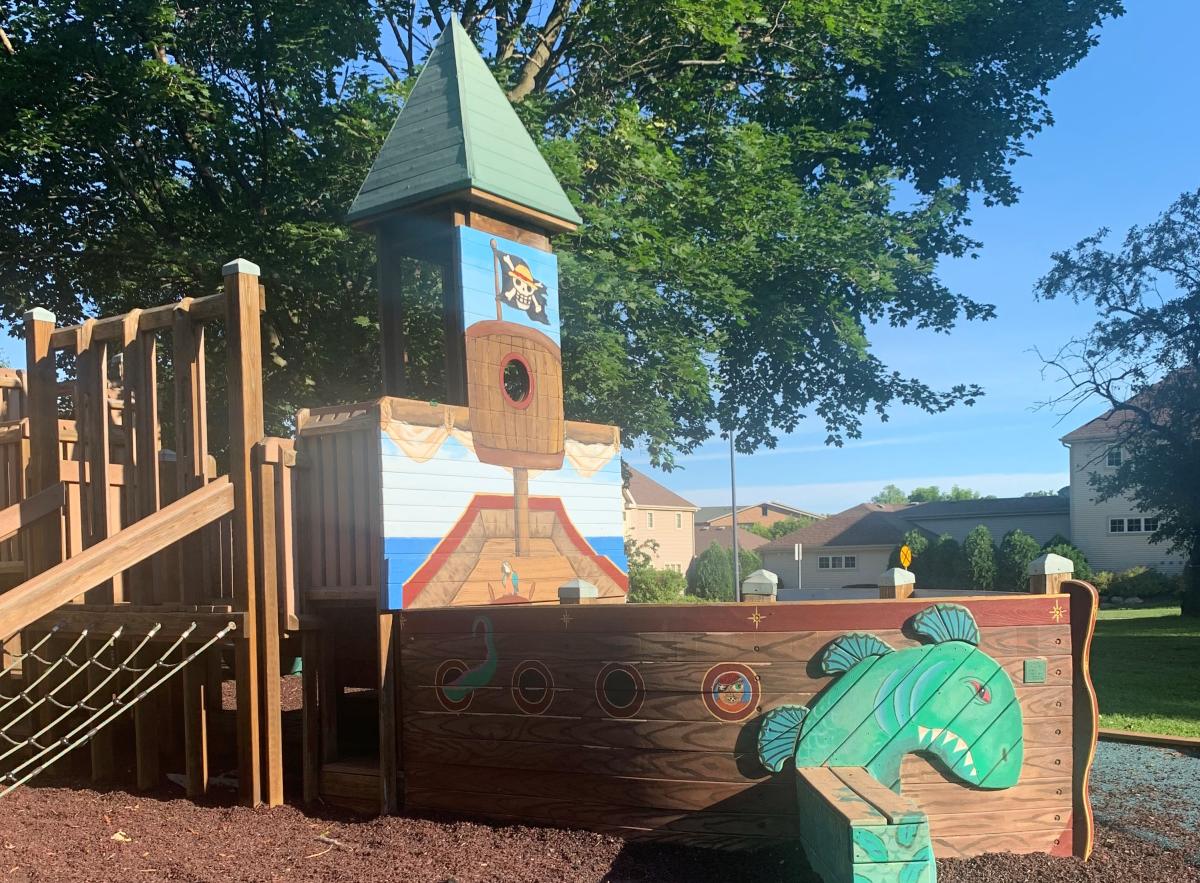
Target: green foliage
{"x": 761, "y": 183}
{"x": 1140, "y": 582}
{"x": 1060, "y": 545}
{"x": 1017, "y": 551}
{"x": 749, "y": 560}
{"x": 917, "y": 543}
{"x": 711, "y": 576}
{"x": 653, "y": 585}
{"x": 980, "y": 553}
{"x": 1140, "y": 358}
{"x": 780, "y": 528}
{"x": 890, "y": 495}
{"x": 943, "y": 565}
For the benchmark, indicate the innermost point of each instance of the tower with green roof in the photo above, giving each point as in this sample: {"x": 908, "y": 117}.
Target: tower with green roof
{"x": 457, "y": 157}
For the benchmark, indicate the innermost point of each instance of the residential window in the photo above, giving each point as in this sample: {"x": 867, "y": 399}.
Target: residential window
{"x": 1150, "y": 525}
{"x": 649, "y": 519}
{"x": 678, "y": 568}
{"x": 837, "y": 562}
{"x": 1114, "y": 457}
{"x": 1116, "y": 525}
{"x": 1133, "y": 525}
{"x": 679, "y": 519}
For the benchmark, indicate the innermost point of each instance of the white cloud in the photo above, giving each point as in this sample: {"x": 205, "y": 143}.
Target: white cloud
{"x": 839, "y": 495}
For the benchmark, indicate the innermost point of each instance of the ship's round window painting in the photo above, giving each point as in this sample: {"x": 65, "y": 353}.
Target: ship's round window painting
{"x": 532, "y": 687}
{"x": 620, "y": 689}
{"x": 516, "y": 381}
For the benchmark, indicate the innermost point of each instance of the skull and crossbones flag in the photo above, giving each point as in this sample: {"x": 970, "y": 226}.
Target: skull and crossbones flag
{"x": 516, "y": 286}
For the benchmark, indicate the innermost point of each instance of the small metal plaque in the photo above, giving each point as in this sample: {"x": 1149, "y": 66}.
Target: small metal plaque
{"x": 1035, "y": 670}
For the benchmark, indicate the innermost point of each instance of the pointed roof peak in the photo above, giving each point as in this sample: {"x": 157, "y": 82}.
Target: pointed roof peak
{"x": 458, "y": 133}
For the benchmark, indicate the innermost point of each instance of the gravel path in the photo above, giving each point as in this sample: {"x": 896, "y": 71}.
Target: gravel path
{"x": 1146, "y": 802}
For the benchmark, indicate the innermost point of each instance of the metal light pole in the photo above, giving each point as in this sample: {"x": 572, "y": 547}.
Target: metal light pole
{"x": 737, "y": 564}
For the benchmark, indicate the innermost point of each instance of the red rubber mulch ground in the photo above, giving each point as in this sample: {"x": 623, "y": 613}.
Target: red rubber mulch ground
{"x": 69, "y": 835}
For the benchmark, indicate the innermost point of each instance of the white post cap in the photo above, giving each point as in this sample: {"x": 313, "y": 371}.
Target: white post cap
{"x": 897, "y": 576}
{"x": 577, "y": 590}
{"x": 241, "y": 266}
{"x": 1047, "y": 564}
{"x": 40, "y": 314}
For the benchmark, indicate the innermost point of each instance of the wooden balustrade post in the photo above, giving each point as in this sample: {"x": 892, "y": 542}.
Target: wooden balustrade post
{"x": 1048, "y": 572}
{"x": 246, "y": 429}
{"x": 45, "y": 537}
{"x": 896, "y": 583}
{"x": 268, "y": 622}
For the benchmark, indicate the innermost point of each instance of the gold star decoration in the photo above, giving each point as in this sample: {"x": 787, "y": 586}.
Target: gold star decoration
{"x": 1057, "y": 612}
{"x": 566, "y": 619}
{"x": 756, "y": 618}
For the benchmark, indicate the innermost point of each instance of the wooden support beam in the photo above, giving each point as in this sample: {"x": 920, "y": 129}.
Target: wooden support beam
{"x": 102, "y": 745}
{"x": 92, "y": 424}
{"x": 191, "y": 441}
{"x": 45, "y": 539}
{"x": 146, "y": 726}
{"x": 47, "y": 591}
{"x": 195, "y": 726}
{"x": 311, "y": 718}
{"x": 141, "y": 391}
{"x": 389, "y": 798}
{"x": 26, "y": 512}
{"x": 243, "y": 336}
{"x": 331, "y": 690}
{"x": 268, "y": 625}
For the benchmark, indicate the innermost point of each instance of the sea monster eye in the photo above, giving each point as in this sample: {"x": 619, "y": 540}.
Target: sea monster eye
{"x": 982, "y": 693}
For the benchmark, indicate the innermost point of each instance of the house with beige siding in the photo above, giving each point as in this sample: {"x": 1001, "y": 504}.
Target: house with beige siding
{"x": 657, "y": 513}
{"x": 845, "y": 550}
{"x": 1114, "y": 534}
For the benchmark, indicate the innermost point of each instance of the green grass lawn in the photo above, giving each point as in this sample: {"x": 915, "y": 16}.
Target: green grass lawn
{"x": 1146, "y": 669}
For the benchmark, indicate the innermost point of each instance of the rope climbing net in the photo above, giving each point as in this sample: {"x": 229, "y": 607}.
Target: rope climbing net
{"x": 41, "y": 723}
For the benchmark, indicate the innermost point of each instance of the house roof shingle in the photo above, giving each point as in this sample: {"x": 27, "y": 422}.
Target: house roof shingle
{"x": 708, "y": 513}
{"x": 645, "y": 491}
{"x": 989, "y": 508}
{"x": 723, "y": 537}
{"x": 868, "y": 524}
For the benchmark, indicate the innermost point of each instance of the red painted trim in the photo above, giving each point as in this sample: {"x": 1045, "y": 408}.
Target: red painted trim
{"x": 1084, "y": 602}
{"x": 528, "y": 400}
{"x": 803, "y": 616}
{"x": 450, "y": 543}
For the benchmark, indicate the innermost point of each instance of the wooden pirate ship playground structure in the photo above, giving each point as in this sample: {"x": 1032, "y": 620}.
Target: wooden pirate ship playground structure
{"x": 451, "y": 574}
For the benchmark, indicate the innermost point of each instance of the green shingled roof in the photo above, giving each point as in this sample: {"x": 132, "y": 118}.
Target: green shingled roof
{"x": 458, "y": 131}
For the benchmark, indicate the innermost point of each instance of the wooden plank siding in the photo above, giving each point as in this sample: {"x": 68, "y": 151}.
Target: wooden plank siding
{"x": 673, "y": 769}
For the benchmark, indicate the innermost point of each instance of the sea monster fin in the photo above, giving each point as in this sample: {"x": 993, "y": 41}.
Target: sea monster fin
{"x": 947, "y": 622}
{"x": 777, "y": 735}
{"x": 846, "y": 651}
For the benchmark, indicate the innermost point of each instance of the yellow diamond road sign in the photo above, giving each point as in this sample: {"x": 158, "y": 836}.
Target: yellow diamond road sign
{"x": 905, "y": 556}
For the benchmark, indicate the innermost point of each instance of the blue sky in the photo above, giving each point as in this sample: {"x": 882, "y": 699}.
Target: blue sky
{"x": 1123, "y": 146}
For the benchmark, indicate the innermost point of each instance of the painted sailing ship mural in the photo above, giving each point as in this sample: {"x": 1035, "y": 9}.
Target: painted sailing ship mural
{"x": 502, "y": 501}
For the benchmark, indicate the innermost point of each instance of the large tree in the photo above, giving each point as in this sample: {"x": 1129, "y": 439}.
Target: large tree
{"x": 761, "y": 181}
{"x": 1141, "y": 359}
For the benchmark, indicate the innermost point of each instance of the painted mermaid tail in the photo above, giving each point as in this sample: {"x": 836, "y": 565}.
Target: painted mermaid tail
{"x": 482, "y": 674}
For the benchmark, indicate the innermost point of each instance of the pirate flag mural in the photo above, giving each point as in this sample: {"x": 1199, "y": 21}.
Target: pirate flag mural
{"x": 516, "y": 287}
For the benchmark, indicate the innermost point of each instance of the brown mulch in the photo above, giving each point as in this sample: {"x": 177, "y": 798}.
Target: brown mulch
{"x": 71, "y": 835}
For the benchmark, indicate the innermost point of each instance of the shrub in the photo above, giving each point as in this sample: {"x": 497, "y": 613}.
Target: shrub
{"x": 712, "y": 575}
{"x": 653, "y": 585}
{"x": 943, "y": 565}
{"x": 1017, "y": 550}
{"x": 1102, "y": 580}
{"x": 917, "y": 543}
{"x": 980, "y": 553}
{"x": 749, "y": 561}
{"x": 1144, "y": 582}
{"x": 1060, "y": 546}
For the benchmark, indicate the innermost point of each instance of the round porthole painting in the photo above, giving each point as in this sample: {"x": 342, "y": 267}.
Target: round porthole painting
{"x": 620, "y": 690}
{"x": 731, "y": 691}
{"x": 532, "y": 687}
{"x": 451, "y": 698}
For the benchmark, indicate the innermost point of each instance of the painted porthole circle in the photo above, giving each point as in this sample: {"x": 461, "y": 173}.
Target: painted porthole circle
{"x": 516, "y": 381}
{"x": 731, "y": 691}
{"x": 532, "y": 687}
{"x": 620, "y": 690}
{"x": 450, "y": 698}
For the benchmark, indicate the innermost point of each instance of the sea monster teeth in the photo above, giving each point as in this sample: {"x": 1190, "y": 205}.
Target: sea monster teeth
{"x": 960, "y": 746}
{"x": 950, "y": 737}
{"x": 969, "y": 761}
{"x": 934, "y": 734}
{"x": 922, "y": 732}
